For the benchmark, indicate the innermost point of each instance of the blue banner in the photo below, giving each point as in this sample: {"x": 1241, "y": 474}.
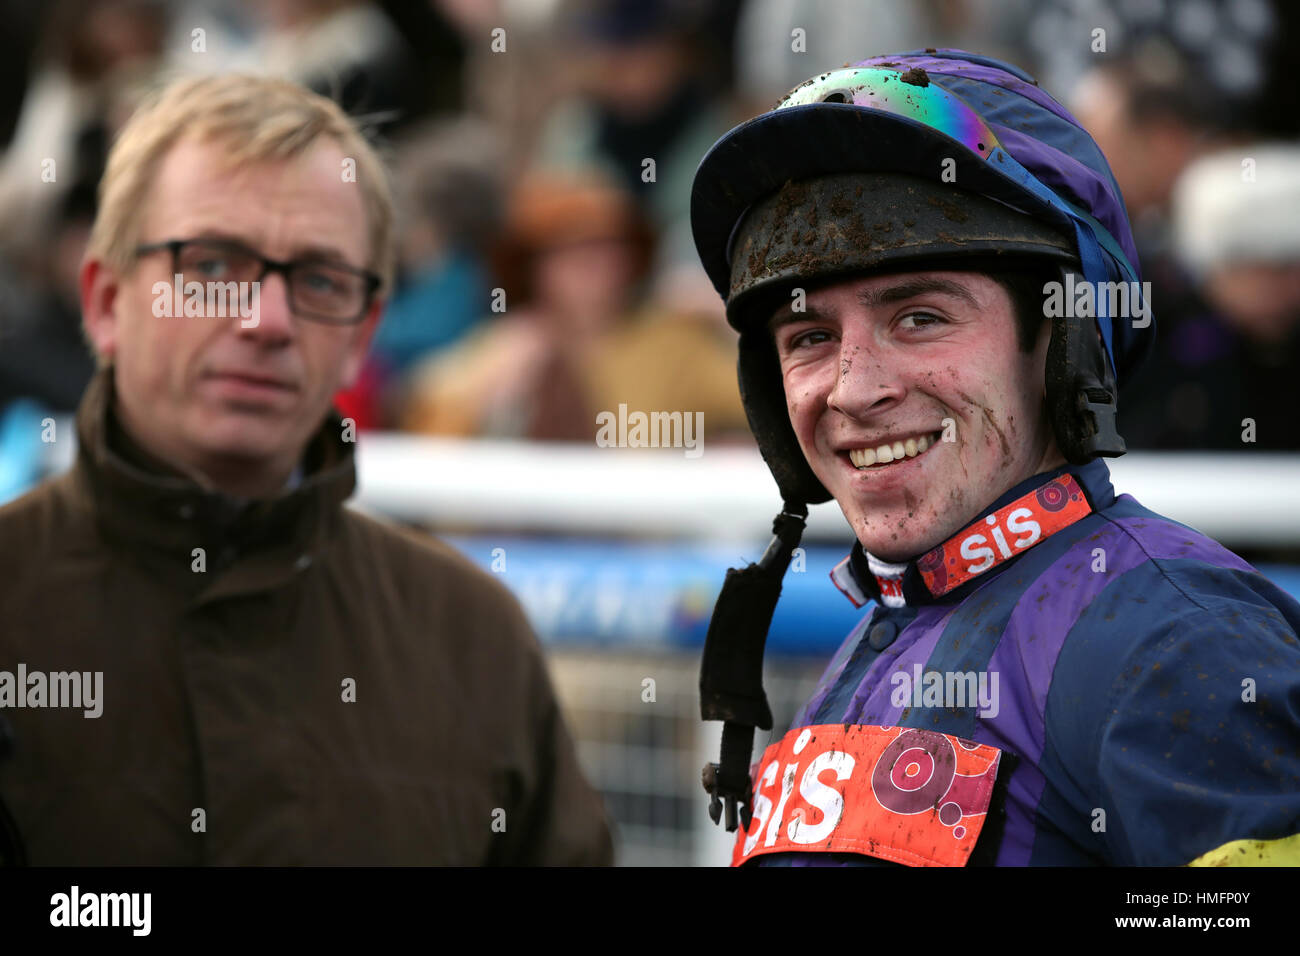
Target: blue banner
{"x": 648, "y": 594}
{"x": 638, "y": 594}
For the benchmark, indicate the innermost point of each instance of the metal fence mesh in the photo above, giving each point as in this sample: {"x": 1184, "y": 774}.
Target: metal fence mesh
{"x": 643, "y": 745}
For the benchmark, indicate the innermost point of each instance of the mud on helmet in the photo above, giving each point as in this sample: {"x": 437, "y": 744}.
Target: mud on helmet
{"x": 921, "y": 160}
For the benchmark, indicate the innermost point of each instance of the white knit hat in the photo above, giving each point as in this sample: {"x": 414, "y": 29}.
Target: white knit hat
{"x": 1239, "y": 205}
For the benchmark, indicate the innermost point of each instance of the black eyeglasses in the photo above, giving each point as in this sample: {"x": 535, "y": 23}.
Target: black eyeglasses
{"x": 320, "y": 291}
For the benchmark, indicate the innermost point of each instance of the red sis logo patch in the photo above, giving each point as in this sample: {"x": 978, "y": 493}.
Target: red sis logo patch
{"x": 912, "y": 796}
{"x": 1003, "y": 534}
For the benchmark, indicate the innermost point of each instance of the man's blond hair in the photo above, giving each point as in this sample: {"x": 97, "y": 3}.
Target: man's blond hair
{"x": 255, "y": 119}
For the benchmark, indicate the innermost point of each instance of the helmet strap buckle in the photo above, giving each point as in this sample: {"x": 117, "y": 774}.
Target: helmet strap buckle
{"x": 1081, "y": 391}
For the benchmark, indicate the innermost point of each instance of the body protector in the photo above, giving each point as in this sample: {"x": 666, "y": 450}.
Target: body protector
{"x": 935, "y": 159}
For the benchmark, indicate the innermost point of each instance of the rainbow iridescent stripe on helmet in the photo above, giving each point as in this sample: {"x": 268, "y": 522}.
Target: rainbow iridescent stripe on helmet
{"x": 888, "y": 90}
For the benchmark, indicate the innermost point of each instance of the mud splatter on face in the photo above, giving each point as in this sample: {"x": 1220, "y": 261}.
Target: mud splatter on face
{"x": 993, "y": 424}
{"x": 960, "y": 384}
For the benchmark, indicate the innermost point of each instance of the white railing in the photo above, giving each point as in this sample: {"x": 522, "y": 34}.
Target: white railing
{"x": 1245, "y": 498}
{"x": 1242, "y": 499}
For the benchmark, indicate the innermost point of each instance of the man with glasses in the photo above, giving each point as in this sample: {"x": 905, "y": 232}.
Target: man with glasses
{"x": 204, "y": 657}
{"x": 213, "y": 275}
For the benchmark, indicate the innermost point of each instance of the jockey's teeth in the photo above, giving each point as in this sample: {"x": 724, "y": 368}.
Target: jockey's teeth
{"x": 897, "y": 451}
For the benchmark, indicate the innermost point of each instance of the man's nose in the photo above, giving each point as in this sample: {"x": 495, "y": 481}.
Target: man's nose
{"x": 866, "y": 382}
{"x": 264, "y": 311}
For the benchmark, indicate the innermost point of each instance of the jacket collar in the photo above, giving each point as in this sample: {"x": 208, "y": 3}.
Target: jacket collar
{"x": 143, "y": 502}
{"x": 922, "y": 579}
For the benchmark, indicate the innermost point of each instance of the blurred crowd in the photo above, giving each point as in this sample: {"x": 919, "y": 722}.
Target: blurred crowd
{"x": 543, "y": 151}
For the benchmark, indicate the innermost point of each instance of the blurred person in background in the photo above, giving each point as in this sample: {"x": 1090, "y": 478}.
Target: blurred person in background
{"x": 640, "y": 96}
{"x": 23, "y": 23}
{"x": 450, "y": 185}
{"x": 1178, "y": 86}
{"x": 92, "y": 55}
{"x": 569, "y": 262}
{"x": 240, "y": 669}
{"x": 776, "y": 39}
{"x": 43, "y": 354}
{"x": 1155, "y": 112}
{"x": 348, "y": 50}
{"x": 1158, "y": 85}
{"x": 44, "y": 360}
{"x": 673, "y": 356}
{"x": 1229, "y": 350}
{"x": 576, "y": 337}
{"x": 390, "y": 61}
{"x": 1232, "y": 49}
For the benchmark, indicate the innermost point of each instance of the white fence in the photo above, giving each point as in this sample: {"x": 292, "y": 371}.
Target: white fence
{"x": 1242, "y": 499}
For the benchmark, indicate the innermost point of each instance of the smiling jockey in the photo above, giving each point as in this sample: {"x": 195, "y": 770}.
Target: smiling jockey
{"x": 1050, "y": 674}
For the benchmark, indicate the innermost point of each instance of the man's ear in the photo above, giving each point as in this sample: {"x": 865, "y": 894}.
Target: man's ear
{"x": 99, "y": 285}
{"x": 359, "y": 349}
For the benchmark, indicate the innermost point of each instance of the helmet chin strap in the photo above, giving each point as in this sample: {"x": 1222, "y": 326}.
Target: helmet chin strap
{"x": 1081, "y": 390}
{"x": 731, "y": 674}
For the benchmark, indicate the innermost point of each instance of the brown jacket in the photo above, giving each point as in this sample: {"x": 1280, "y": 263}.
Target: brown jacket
{"x": 226, "y": 690}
